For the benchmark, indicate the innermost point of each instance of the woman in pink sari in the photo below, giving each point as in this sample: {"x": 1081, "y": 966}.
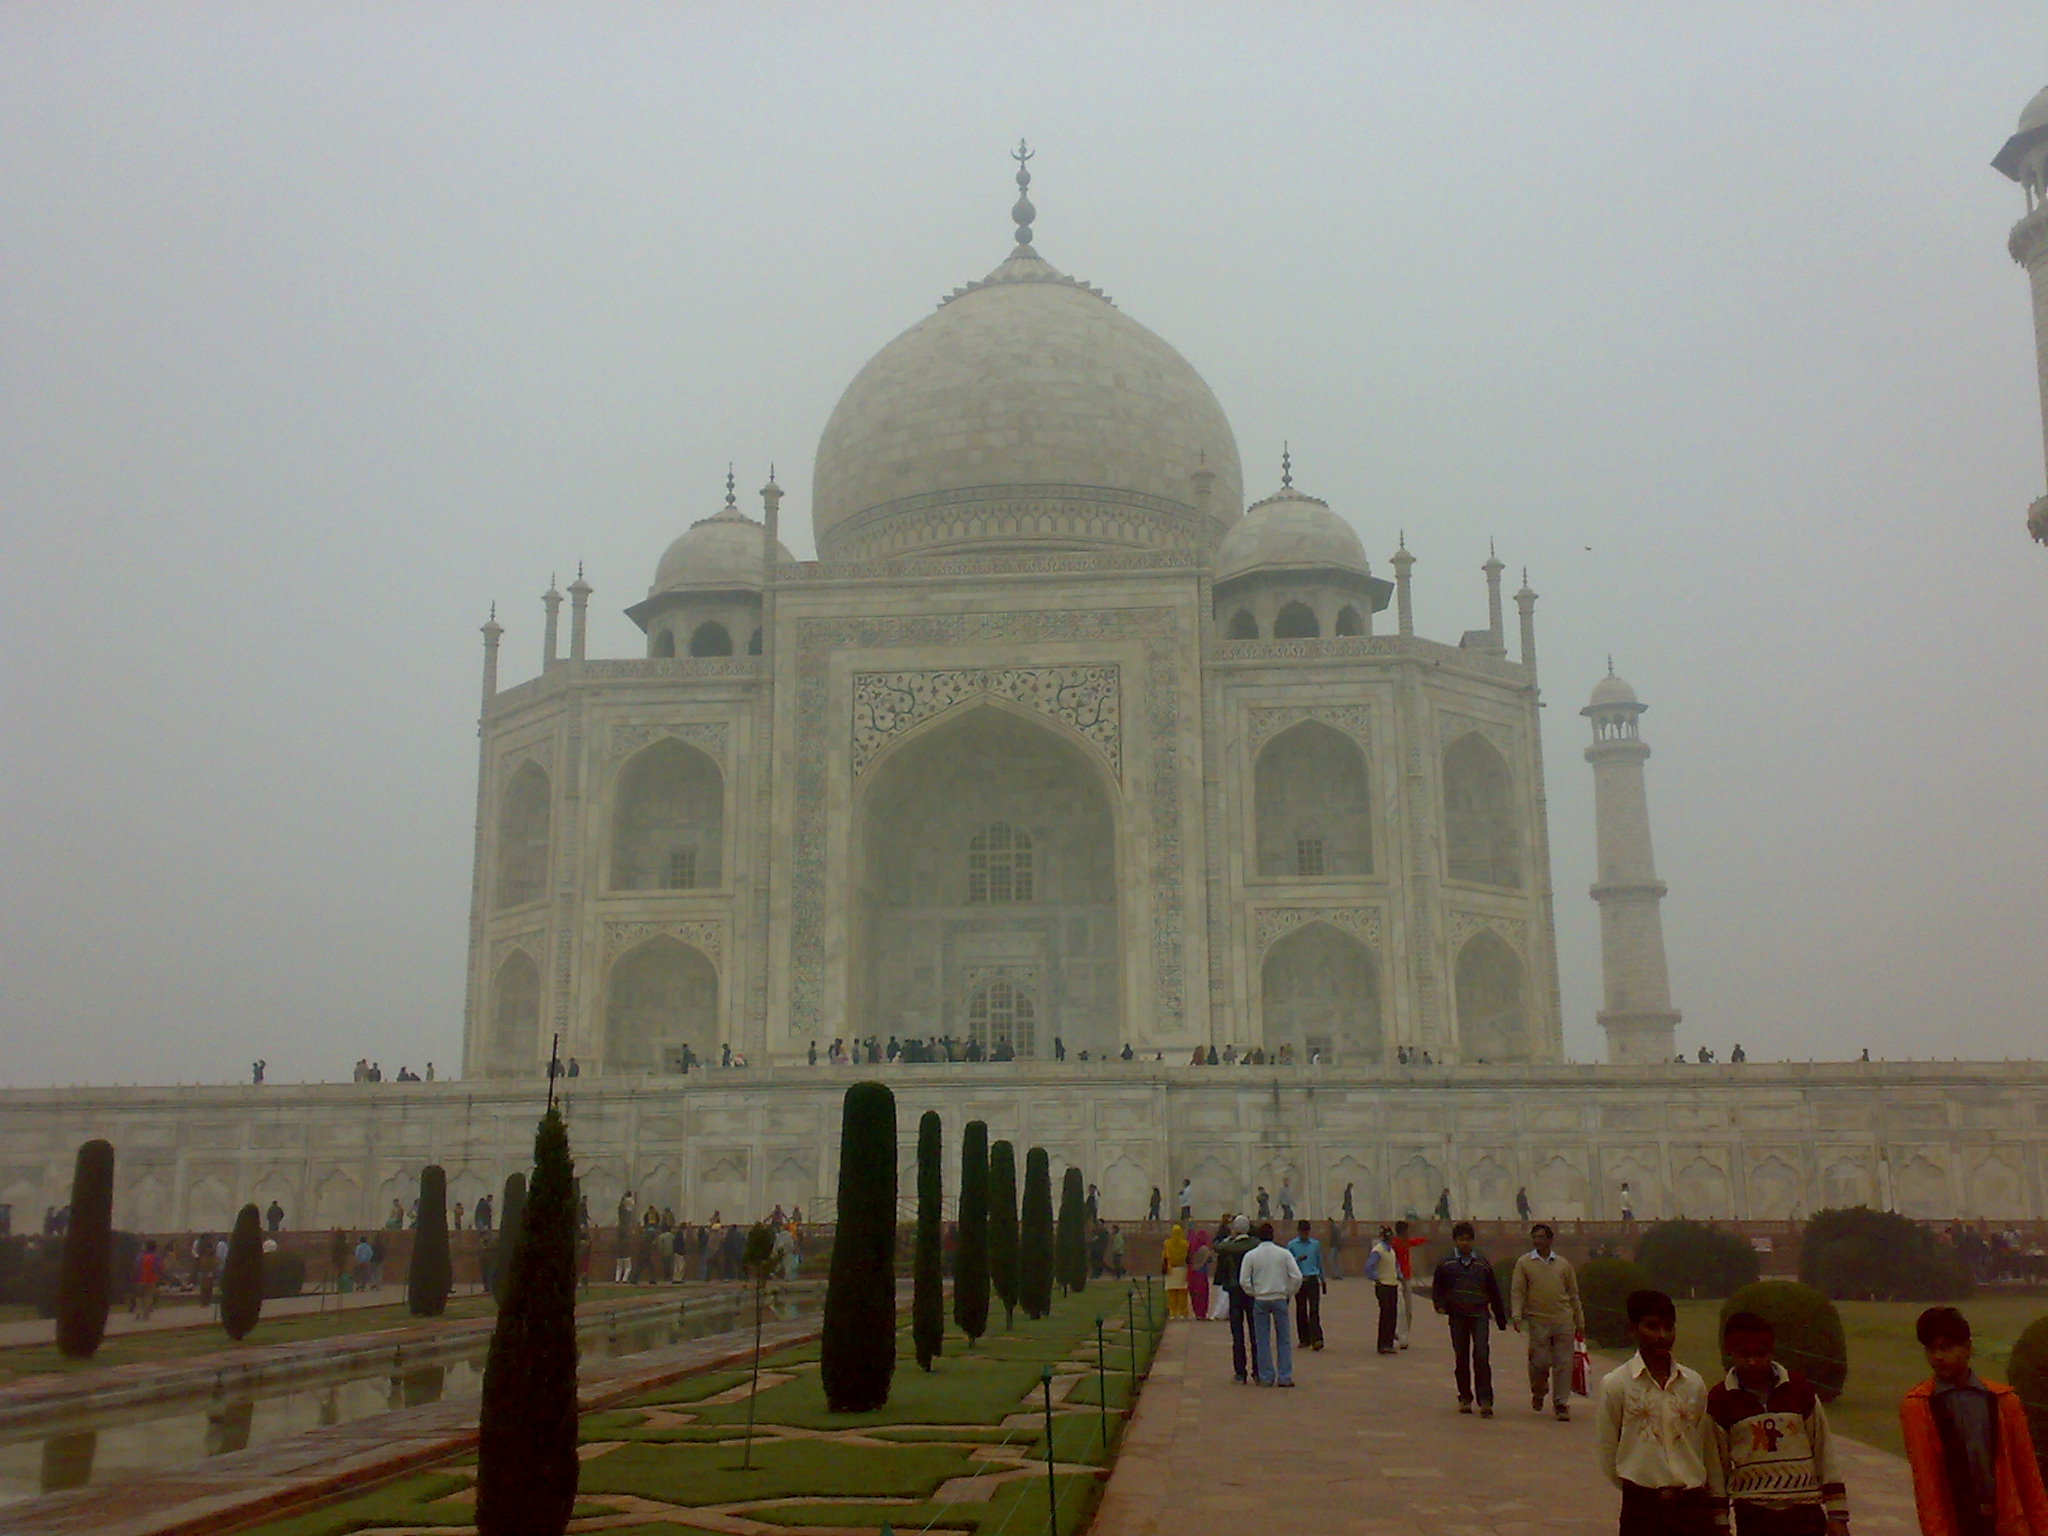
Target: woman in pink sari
{"x": 1199, "y": 1258}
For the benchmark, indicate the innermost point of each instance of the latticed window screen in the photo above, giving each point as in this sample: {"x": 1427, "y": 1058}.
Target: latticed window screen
{"x": 1308, "y": 855}
{"x": 1000, "y": 1012}
{"x": 999, "y": 864}
{"x": 682, "y": 869}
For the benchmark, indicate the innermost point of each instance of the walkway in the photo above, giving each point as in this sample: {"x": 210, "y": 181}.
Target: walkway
{"x": 1377, "y": 1442}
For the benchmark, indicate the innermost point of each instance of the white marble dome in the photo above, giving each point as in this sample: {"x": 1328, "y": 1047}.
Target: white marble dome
{"x": 1028, "y": 411}
{"x": 1290, "y": 531}
{"x": 721, "y": 552}
{"x": 1612, "y": 690}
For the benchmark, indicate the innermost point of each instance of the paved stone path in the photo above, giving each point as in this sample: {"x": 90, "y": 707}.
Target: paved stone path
{"x": 1374, "y": 1446}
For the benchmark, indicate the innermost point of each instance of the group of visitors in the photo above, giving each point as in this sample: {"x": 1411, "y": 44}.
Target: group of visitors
{"x": 650, "y": 1246}
{"x": 1243, "y": 1275}
{"x": 367, "y": 1071}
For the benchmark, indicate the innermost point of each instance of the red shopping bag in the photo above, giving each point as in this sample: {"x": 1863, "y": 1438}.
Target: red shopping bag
{"x": 1582, "y": 1367}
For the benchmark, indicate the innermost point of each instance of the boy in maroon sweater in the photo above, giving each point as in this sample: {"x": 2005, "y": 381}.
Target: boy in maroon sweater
{"x": 1771, "y": 1434}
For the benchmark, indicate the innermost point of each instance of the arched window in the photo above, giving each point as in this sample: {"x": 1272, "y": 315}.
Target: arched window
{"x": 1348, "y": 621}
{"x": 999, "y": 864}
{"x": 754, "y": 642}
{"x": 1297, "y": 621}
{"x": 1243, "y": 626}
{"x": 1000, "y": 1014}
{"x": 659, "y": 997}
{"x": 668, "y": 820}
{"x": 1493, "y": 1025}
{"x": 710, "y": 639}
{"x": 514, "y": 1045}
{"x": 1310, "y": 805}
{"x": 522, "y": 851}
{"x": 664, "y": 643}
{"x": 1479, "y": 814}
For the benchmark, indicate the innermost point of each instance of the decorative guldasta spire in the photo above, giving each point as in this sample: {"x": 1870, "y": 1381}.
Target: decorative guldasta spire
{"x": 1023, "y": 213}
{"x": 1286, "y": 466}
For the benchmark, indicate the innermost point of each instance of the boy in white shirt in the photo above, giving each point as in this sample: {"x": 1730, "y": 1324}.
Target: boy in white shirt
{"x": 1653, "y": 1432}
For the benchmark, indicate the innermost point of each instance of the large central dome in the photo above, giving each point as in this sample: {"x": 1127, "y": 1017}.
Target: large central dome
{"x": 1029, "y": 412}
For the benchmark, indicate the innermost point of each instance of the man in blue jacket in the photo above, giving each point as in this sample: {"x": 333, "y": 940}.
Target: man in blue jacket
{"x": 1465, "y": 1291}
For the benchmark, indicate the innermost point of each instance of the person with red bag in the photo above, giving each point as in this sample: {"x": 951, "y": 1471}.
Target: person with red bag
{"x": 1544, "y": 1305}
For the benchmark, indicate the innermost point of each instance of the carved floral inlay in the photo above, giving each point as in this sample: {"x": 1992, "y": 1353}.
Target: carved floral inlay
{"x": 708, "y": 734}
{"x": 1465, "y": 924}
{"x": 702, "y": 934}
{"x": 1088, "y": 699}
{"x": 1264, "y": 724}
{"x": 1270, "y": 924}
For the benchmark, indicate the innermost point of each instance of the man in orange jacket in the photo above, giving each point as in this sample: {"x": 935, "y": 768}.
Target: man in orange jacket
{"x": 1974, "y": 1472}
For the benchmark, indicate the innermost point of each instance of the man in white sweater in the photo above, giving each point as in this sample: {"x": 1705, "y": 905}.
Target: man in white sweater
{"x": 1270, "y": 1277}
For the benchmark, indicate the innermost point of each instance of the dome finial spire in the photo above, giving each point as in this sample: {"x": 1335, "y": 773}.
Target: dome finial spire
{"x": 1610, "y": 663}
{"x": 1286, "y": 466}
{"x": 1023, "y": 213}
{"x": 731, "y": 500}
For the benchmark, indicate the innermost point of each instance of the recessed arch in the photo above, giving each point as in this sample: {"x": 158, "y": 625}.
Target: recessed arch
{"x": 522, "y": 843}
{"x": 1349, "y": 622}
{"x": 1296, "y": 621}
{"x": 1311, "y": 805}
{"x": 1243, "y": 626}
{"x": 711, "y": 638}
{"x": 754, "y": 642}
{"x": 921, "y": 930}
{"x": 668, "y": 820}
{"x": 1319, "y": 990}
{"x": 514, "y": 1042}
{"x": 664, "y": 643}
{"x": 659, "y": 996}
{"x": 1480, "y": 840}
{"x": 1492, "y": 992}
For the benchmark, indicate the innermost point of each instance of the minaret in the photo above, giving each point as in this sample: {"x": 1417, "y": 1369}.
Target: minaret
{"x": 1525, "y": 600}
{"x": 579, "y": 614}
{"x": 1640, "y": 1022}
{"x": 1494, "y": 627}
{"x": 1404, "y": 598}
{"x": 551, "y": 600}
{"x": 493, "y": 632}
{"x": 2025, "y": 159}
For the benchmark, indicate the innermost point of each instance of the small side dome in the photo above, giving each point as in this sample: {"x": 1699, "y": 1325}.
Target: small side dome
{"x": 719, "y": 553}
{"x": 1290, "y": 531}
{"x": 1612, "y": 690}
{"x": 2035, "y": 113}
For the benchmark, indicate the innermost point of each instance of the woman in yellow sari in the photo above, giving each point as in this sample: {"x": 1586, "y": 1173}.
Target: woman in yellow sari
{"x": 1173, "y": 1259}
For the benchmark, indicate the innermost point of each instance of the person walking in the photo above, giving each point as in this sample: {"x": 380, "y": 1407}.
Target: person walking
{"x": 1349, "y": 1213}
{"x": 149, "y": 1275}
{"x": 1443, "y": 1205}
{"x": 1200, "y": 1256}
{"x": 1286, "y": 1200}
{"x": 1628, "y": 1203}
{"x": 1230, "y": 1254}
{"x": 1974, "y": 1472}
{"x": 1173, "y": 1263}
{"x": 1265, "y": 1204}
{"x": 1269, "y": 1275}
{"x": 1404, "y": 1257}
{"x": 1308, "y": 1301}
{"x": 1770, "y": 1434}
{"x": 1651, "y": 1435}
{"x": 1522, "y": 1202}
{"x": 1465, "y": 1291}
{"x": 1384, "y": 1271}
{"x": 1543, "y": 1304}
{"x": 1152, "y": 1210}
{"x": 1187, "y": 1199}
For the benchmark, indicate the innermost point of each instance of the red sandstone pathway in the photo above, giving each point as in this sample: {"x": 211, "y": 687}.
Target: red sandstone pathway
{"x": 1374, "y": 1445}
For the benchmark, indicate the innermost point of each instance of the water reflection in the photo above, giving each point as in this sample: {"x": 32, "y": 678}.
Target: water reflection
{"x": 228, "y": 1423}
{"x": 67, "y": 1460}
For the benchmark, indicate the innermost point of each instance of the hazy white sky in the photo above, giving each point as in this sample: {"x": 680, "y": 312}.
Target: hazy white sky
{"x": 323, "y": 327}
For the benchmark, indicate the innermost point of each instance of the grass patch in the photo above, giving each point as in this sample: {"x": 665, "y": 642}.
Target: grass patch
{"x": 782, "y": 1469}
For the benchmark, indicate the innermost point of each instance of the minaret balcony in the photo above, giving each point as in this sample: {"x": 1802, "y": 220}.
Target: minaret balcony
{"x": 1630, "y": 890}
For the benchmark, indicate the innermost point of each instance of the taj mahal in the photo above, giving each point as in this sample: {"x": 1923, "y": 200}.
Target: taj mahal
{"x": 1077, "y": 751}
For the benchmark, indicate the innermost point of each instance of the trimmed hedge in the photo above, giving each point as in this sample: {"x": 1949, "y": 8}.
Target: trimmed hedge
{"x": 511, "y": 1220}
{"x": 1858, "y": 1254}
{"x": 2027, "y": 1374}
{"x": 927, "y": 1271}
{"x": 284, "y": 1274}
{"x": 1604, "y": 1286}
{"x": 1809, "y": 1330}
{"x": 431, "y": 1275}
{"x": 857, "y": 1358}
{"x": 1002, "y": 1227}
{"x": 1034, "y": 1237}
{"x": 1070, "y": 1244}
{"x": 1695, "y": 1259}
{"x": 83, "y": 1281}
{"x": 970, "y": 1264}
{"x": 241, "y": 1278}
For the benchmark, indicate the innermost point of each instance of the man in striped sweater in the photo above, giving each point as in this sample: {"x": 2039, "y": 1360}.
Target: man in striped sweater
{"x": 1771, "y": 1434}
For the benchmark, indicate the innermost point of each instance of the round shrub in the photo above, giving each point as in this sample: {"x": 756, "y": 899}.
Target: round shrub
{"x": 1858, "y": 1254}
{"x": 1604, "y": 1286}
{"x": 284, "y": 1274}
{"x": 2027, "y": 1374}
{"x": 1692, "y": 1258}
{"x": 1809, "y": 1330}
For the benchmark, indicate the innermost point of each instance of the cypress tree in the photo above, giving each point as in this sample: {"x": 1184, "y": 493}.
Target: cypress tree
{"x": 431, "y": 1275}
{"x": 526, "y": 1432}
{"x": 241, "y": 1277}
{"x": 1070, "y": 1248}
{"x": 1002, "y": 1227}
{"x": 85, "y": 1273}
{"x": 1034, "y": 1237}
{"x": 927, "y": 1275}
{"x": 511, "y": 1216}
{"x": 857, "y": 1357}
{"x": 970, "y": 1264}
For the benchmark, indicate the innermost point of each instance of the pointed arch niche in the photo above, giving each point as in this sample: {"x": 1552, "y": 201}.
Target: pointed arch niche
{"x": 1319, "y": 990}
{"x": 1311, "y": 810}
{"x": 522, "y": 845}
{"x": 1493, "y": 1018}
{"x": 933, "y": 914}
{"x": 668, "y": 820}
{"x": 659, "y": 996}
{"x": 1479, "y": 814}
{"x": 515, "y": 1015}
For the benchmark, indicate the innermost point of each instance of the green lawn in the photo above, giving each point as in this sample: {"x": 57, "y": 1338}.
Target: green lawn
{"x": 19, "y": 1360}
{"x": 676, "y": 1448}
{"x": 1884, "y": 1359}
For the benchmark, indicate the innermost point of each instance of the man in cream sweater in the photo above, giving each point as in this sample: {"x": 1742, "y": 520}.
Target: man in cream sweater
{"x": 1544, "y": 1304}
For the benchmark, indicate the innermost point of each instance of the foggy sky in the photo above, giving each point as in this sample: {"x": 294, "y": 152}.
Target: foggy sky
{"x": 322, "y": 328}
